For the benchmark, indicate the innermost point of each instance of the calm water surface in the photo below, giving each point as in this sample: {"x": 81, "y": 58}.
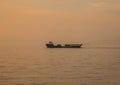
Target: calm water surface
{"x": 35, "y": 65}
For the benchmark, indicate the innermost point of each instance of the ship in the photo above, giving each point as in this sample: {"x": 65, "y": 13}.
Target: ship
{"x": 51, "y": 45}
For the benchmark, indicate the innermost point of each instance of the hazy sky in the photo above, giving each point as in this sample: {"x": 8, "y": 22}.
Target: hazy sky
{"x": 59, "y": 20}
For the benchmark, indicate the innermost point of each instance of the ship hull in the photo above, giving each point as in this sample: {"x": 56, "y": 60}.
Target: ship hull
{"x": 65, "y": 46}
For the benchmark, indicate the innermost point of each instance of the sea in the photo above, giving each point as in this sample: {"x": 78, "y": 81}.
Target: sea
{"x": 38, "y": 65}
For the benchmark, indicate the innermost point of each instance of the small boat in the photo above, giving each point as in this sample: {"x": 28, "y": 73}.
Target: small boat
{"x": 51, "y": 45}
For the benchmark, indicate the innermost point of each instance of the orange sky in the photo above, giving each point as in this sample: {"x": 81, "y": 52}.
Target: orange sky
{"x": 65, "y": 20}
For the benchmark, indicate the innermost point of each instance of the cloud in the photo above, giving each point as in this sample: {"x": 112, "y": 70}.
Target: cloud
{"x": 105, "y": 5}
{"x": 97, "y": 5}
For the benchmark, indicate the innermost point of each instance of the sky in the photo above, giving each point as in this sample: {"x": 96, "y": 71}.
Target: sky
{"x": 37, "y": 21}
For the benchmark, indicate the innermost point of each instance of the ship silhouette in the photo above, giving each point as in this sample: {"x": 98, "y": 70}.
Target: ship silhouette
{"x": 51, "y": 45}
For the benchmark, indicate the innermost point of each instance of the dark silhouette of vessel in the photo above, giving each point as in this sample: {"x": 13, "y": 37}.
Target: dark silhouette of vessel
{"x": 51, "y": 45}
